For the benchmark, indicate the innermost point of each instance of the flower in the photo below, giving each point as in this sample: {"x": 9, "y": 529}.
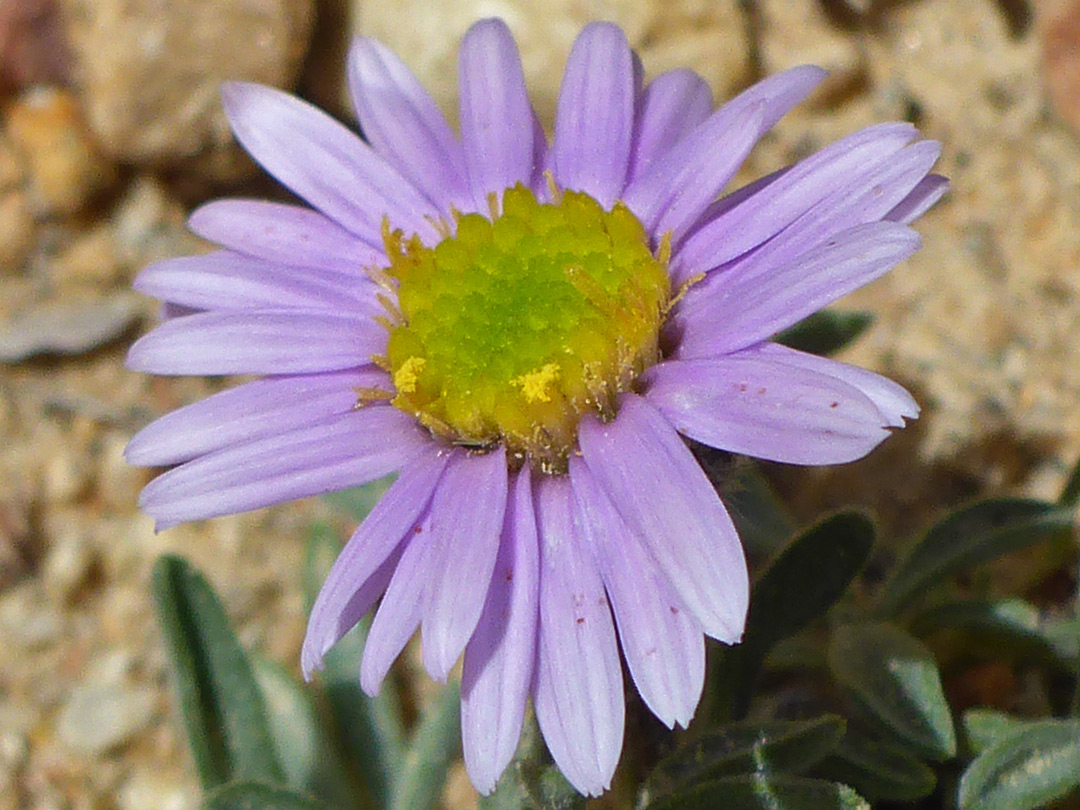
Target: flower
{"x": 521, "y": 331}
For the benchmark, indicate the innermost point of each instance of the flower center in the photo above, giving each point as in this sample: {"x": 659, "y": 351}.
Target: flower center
{"x": 514, "y": 327}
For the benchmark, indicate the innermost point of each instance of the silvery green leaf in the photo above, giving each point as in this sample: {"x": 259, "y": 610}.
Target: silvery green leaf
{"x": 257, "y": 796}
{"x": 826, "y": 332}
{"x": 760, "y": 792}
{"x": 972, "y": 535}
{"x": 220, "y": 703}
{"x": 895, "y": 678}
{"x": 771, "y": 746}
{"x": 1025, "y": 770}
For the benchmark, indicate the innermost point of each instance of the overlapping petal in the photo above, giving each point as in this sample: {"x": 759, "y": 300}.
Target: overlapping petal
{"x": 226, "y": 280}
{"x": 502, "y": 143}
{"x": 738, "y": 310}
{"x": 347, "y": 593}
{"x": 664, "y": 497}
{"x": 340, "y": 452}
{"x": 284, "y": 234}
{"x": 663, "y": 646}
{"x": 595, "y": 117}
{"x": 501, "y": 655}
{"x": 578, "y": 690}
{"x": 747, "y": 403}
{"x": 323, "y": 162}
{"x": 401, "y": 120}
{"x": 466, "y": 521}
{"x": 259, "y": 341}
{"x": 671, "y": 106}
{"x": 254, "y": 410}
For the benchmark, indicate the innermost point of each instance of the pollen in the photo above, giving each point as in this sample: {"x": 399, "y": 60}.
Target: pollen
{"x": 405, "y": 376}
{"x": 534, "y": 385}
{"x": 522, "y": 320}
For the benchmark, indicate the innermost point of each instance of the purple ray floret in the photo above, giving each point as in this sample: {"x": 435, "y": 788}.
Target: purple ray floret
{"x": 544, "y": 578}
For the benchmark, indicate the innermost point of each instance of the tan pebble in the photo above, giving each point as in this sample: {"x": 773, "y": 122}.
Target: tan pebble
{"x": 16, "y": 232}
{"x": 92, "y": 258}
{"x": 1060, "y": 28}
{"x": 67, "y": 566}
{"x": 117, "y": 481}
{"x": 64, "y": 166}
{"x": 12, "y": 171}
{"x": 64, "y": 477}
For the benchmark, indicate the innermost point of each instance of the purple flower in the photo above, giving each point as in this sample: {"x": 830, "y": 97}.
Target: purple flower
{"x": 521, "y": 331}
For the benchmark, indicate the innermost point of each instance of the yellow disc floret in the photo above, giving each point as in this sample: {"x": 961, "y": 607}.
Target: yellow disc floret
{"x": 512, "y": 328}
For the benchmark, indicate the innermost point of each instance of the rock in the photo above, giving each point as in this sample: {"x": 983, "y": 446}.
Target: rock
{"x": 12, "y": 171}
{"x": 28, "y": 621}
{"x": 16, "y": 232}
{"x": 118, "y": 483}
{"x": 65, "y": 168}
{"x": 1059, "y": 25}
{"x": 67, "y": 326}
{"x": 99, "y": 717}
{"x": 709, "y": 36}
{"x": 32, "y": 45}
{"x": 64, "y": 476}
{"x": 91, "y": 258}
{"x": 150, "y": 791}
{"x": 149, "y": 71}
{"x": 68, "y": 563}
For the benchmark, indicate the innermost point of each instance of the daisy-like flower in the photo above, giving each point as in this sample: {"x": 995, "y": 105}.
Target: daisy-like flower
{"x": 521, "y": 330}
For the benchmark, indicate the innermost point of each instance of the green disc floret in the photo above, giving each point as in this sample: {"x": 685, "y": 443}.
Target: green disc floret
{"x": 513, "y": 327}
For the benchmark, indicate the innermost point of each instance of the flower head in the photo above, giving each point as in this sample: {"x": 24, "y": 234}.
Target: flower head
{"x": 521, "y": 330}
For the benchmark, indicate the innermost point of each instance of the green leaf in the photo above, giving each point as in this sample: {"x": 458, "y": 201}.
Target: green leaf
{"x": 762, "y": 792}
{"x": 257, "y": 796}
{"x": 762, "y": 522}
{"x": 1070, "y": 494}
{"x": 358, "y": 501}
{"x": 220, "y": 703}
{"x": 826, "y": 332}
{"x": 1029, "y": 769}
{"x": 531, "y": 782}
{"x": 370, "y": 731}
{"x": 772, "y": 746}
{"x": 435, "y": 743}
{"x": 307, "y": 756}
{"x": 973, "y": 535}
{"x": 878, "y": 770}
{"x": 984, "y": 728}
{"x": 894, "y": 677}
{"x": 799, "y": 586}
{"x": 1004, "y": 627}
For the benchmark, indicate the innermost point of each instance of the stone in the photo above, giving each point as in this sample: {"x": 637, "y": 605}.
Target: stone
{"x": 64, "y": 476}
{"x": 32, "y": 45}
{"x": 91, "y": 258}
{"x": 64, "y": 166}
{"x": 100, "y": 717}
{"x": 67, "y": 326}
{"x": 151, "y": 791}
{"x": 12, "y": 171}
{"x": 68, "y": 563}
{"x": 149, "y": 71}
{"x": 704, "y": 34}
{"x": 28, "y": 621}
{"x": 118, "y": 483}
{"x": 16, "y": 232}
{"x": 1059, "y": 26}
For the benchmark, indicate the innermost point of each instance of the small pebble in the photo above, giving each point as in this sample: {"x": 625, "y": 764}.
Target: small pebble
{"x": 64, "y": 476}
{"x": 27, "y": 619}
{"x": 118, "y": 482}
{"x": 67, "y": 565}
{"x": 11, "y": 168}
{"x": 100, "y": 717}
{"x": 67, "y": 327}
{"x": 148, "y": 791}
{"x": 16, "y": 232}
{"x": 65, "y": 167}
{"x": 90, "y": 259}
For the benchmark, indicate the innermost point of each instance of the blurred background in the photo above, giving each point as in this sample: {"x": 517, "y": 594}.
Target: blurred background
{"x": 111, "y": 131}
